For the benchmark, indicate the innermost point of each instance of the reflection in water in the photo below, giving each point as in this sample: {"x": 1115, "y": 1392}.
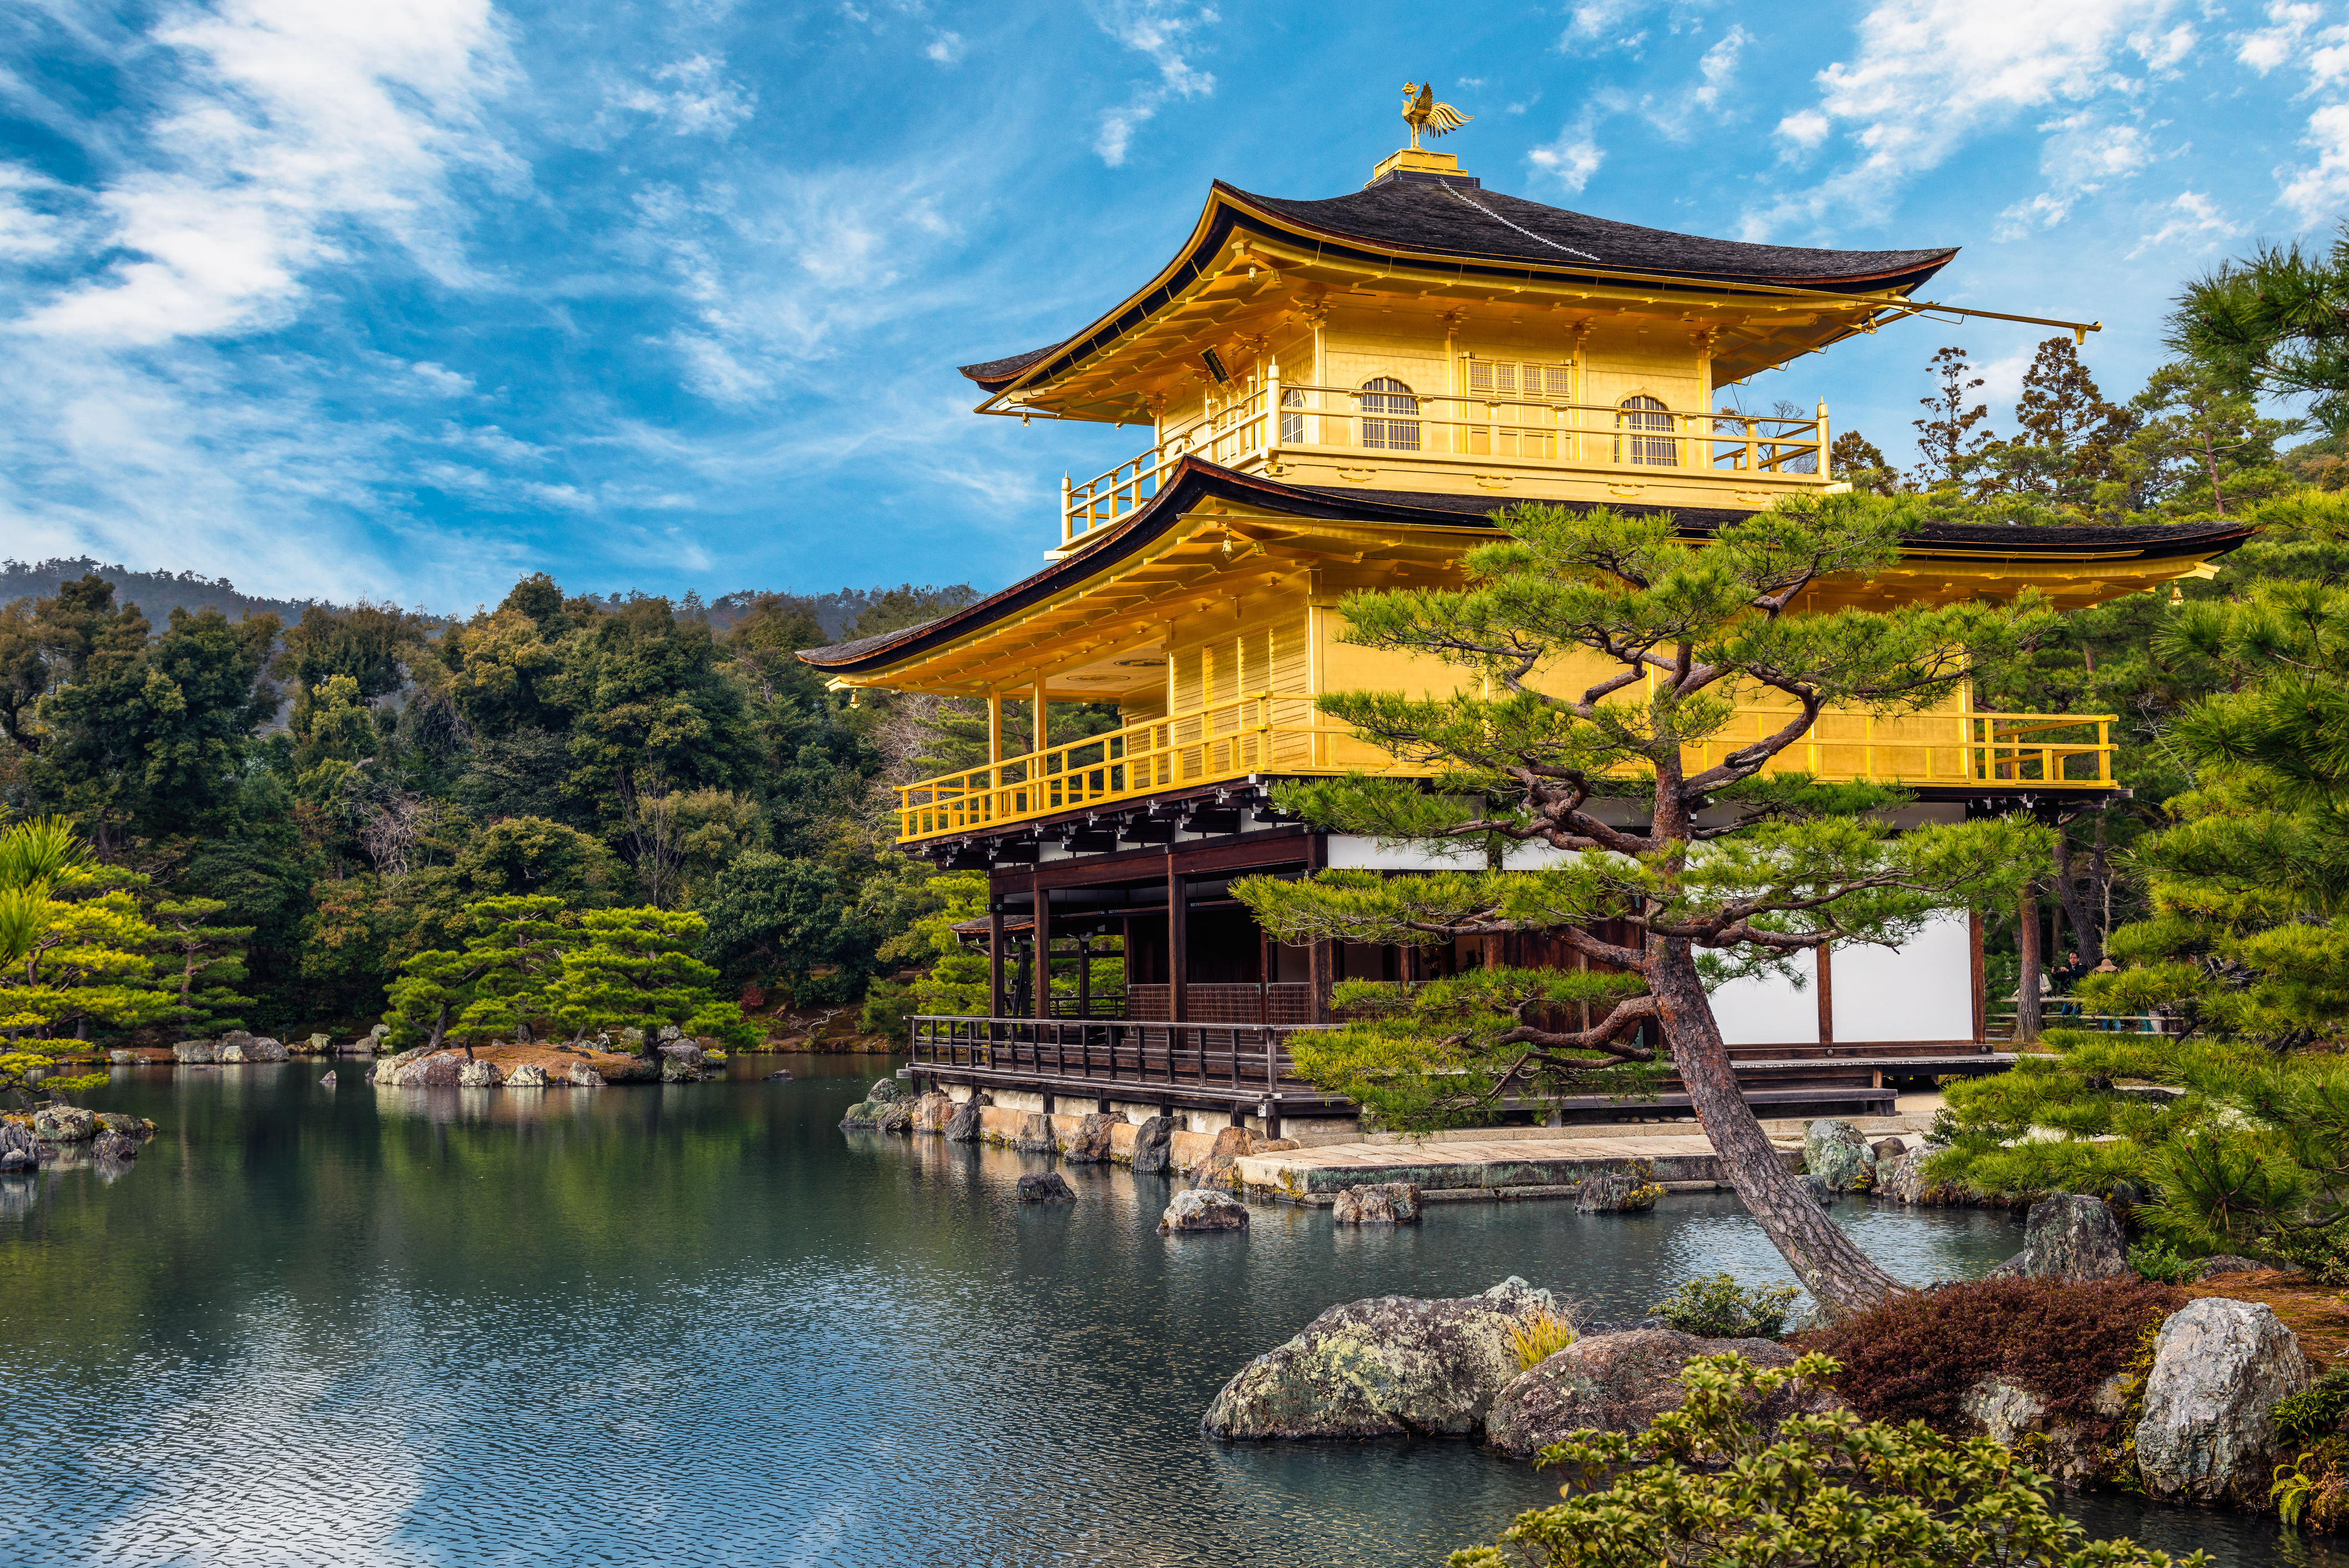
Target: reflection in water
{"x": 696, "y": 1324}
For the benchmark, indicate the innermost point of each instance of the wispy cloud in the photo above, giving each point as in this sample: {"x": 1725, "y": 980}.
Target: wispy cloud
{"x": 692, "y": 96}
{"x": 1164, "y": 32}
{"x": 2191, "y": 222}
{"x": 1569, "y": 160}
{"x": 2081, "y": 156}
{"x": 1931, "y": 75}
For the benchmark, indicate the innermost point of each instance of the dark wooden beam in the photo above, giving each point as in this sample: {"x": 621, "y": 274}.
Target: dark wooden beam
{"x": 1178, "y": 942}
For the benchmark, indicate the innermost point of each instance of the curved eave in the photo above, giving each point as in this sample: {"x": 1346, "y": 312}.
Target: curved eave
{"x": 1228, "y": 210}
{"x": 1195, "y": 480}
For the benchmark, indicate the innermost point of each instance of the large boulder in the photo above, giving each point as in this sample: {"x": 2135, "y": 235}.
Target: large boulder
{"x": 127, "y": 1125}
{"x": 318, "y": 1046}
{"x": 964, "y": 1125}
{"x": 195, "y": 1051}
{"x": 1050, "y": 1187}
{"x": 2070, "y": 1451}
{"x": 931, "y": 1111}
{"x": 1036, "y": 1135}
{"x": 1388, "y": 1366}
{"x": 437, "y": 1070}
{"x": 1089, "y": 1144}
{"x": 1231, "y": 1143}
{"x": 678, "y": 1070}
{"x": 585, "y": 1076}
{"x": 1897, "y": 1180}
{"x": 526, "y": 1076}
{"x": 64, "y": 1124}
{"x": 478, "y": 1075}
{"x": 1380, "y": 1203}
{"x": 114, "y": 1146}
{"x": 262, "y": 1048}
{"x": 1197, "y": 1209}
{"x": 1618, "y": 1383}
{"x": 1154, "y": 1145}
{"x": 19, "y": 1148}
{"x": 1837, "y": 1154}
{"x": 2069, "y": 1237}
{"x": 2219, "y": 1367}
{"x": 885, "y": 1090}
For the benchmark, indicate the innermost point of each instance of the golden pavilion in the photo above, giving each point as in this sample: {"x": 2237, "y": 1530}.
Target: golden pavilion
{"x": 1339, "y": 394}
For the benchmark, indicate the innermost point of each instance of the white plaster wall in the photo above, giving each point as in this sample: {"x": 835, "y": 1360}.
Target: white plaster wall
{"x": 1770, "y": 1010}
{"x": 1922, "y": 991}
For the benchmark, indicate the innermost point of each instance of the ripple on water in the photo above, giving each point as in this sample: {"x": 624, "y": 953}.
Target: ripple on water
{"x": 696, "y": 1324}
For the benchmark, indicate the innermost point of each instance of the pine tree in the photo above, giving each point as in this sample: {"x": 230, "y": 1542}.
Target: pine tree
{"x": 2277, "y": 324}
{"x": 636, "y": 968}
{"x": 73, "y": 949}
{"x": 1854, "y": 458}
{"x": 2200, "y": 445}
{"x": 501, "y": 978}
{"x": 200, "y": 963}
{"x": 1735, "y": 870}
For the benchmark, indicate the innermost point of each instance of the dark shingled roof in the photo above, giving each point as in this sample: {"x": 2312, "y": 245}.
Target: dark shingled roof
{"x": 1195, "y": 479}
{"x": 1433, "y": 215}
{"x": 1455, "y": 219}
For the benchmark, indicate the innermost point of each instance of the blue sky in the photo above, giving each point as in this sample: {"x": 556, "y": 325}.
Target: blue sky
{"x": 404, "y": 299}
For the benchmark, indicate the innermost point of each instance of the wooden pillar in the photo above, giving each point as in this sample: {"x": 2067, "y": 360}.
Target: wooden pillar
{"x": 1084, "y": 977}
{"x": 1979, "y": 987}
{"x": 1318, "y": 966}
{"x": 994, "y": 959}
{"x": 1042, "y": 906}
{"x": 1036, "y": 728}
{"x": 1827, "y": 996}
{"x": 1178, "y": 942}
{"x": 995, "y": 726}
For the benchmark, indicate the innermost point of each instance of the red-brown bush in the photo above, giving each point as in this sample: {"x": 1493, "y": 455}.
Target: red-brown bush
{"x": 1914, "y": 1357}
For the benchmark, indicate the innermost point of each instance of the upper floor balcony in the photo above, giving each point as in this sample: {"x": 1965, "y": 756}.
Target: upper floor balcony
{"x": 1269, "y": 734}
{"x": 1506, "y": 436}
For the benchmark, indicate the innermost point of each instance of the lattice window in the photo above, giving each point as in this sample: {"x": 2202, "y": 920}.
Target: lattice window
{"x": 1507, "y": 377}
{"x": 1384, "y": 399}
{"x": 1651, "y": 450}
{"x": 1292, "y": 426}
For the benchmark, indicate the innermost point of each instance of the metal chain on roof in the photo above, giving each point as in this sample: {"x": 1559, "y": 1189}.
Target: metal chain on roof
{"x": 1497, "y": 217}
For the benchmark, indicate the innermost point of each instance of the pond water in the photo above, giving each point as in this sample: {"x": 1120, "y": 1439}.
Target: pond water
{"x": 698, "y": 1323}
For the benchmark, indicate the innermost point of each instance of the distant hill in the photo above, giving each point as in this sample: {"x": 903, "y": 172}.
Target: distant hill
{"x": 156, "y": 594}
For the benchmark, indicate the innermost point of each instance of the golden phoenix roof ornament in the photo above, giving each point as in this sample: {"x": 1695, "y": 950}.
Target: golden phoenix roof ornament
{"x": 1419, "y": 108}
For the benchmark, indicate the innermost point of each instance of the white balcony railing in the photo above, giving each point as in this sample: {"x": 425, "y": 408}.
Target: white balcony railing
{"x": 1379, "y": 425}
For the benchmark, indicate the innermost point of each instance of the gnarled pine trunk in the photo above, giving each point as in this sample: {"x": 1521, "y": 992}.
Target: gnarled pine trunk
{"x": 1828, "y": 1263}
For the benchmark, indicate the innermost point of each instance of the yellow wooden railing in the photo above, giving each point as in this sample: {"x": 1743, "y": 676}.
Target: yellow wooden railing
{"x": 1518, "y": 429}
{"x": 1284, "y": 734}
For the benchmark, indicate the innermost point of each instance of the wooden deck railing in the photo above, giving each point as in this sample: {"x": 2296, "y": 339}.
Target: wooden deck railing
{"x": 1226, "y": 1060}
{"x": 1514, "y": 425}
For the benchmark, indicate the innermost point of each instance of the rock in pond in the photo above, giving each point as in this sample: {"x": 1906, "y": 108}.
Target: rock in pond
{"x": 1624, "y": 1191}
{"x": 526, "y": 1076}
{"x": 964, "y": 1125}
{"x": 931, "y": 1111}
{"x": 1618, "y": 1383}
{"x": 478, "y": 1075}
{"x": 326, "y": 1079}
{"x": 1036, "y": 1135}
{"x": 19, "y": 1149}
{"x": 1197, "y": 1209}
{"x": 1377, "y": 1203}
{"x": 2069, "y": 1236}
{"x": 195, "y": 1051}
{"x": 128, "y": 1126}
{"x": 1388, "y": 1366}
{"x": 2009, "y": 1413}
{"x": 780, "y": 1075}
{"x": 1050, "y": 1187}
{"x": 114, "y": 1146}
{"x": 885, "y": 1090}
{"x": 1836, "y": 1153}
{"x": 2219, "y": 1367}
{"x": 1897, "y": 1180}
{"x": 121, "y": 1058}
{"x": 1154, "y": 1145}
{"x": 1089, "y": 1144}
{"x": 584, "y": 1076}
{"x": 64, "y": 1124}
{"x": 878, "y": 1115}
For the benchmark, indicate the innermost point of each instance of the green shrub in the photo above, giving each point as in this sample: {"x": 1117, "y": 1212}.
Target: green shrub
{"x": 888, "y": 1010}
{"x": 1914, "y": 1357}
{"x": 2314, "y": 1412}
{"x": 2157, "y": 1262}
{"x": 1715, "y": 1306}
{"x": 1705, "y": 1484}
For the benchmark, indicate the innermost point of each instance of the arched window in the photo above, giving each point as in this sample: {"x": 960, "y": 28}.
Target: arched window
{"x": 1657, "y": 451}
{"x": 1292, "y": 426}
{"x": 1383, "y": 399}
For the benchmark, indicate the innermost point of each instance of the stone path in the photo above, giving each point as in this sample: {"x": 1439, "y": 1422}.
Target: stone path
{"x": 1527, "y": 1168}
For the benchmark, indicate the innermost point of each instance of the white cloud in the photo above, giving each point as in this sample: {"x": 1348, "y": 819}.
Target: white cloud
{"x": 1572, "y": 157}
{"x": 2320, "y": 191}
{"x": 28, "y": 233}
{"x": 1719, "y": 66}
{"x": 1160, "y": 30}
{"x": 1931, "y": 75}
{"x": 1803, "y": 130}
{"x": 2192, "y": 222}
{"x": 2161, "y": 51}
{"x": 2079, "y": 159}
{"x": 291, "y": 124}
{"x": 440, "y": 379}
{"x": 696, "y": 98}
{"x": 2265, "y": 48}
{"x": 946, "y": 48}
{"x": 1602, "y": 22}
